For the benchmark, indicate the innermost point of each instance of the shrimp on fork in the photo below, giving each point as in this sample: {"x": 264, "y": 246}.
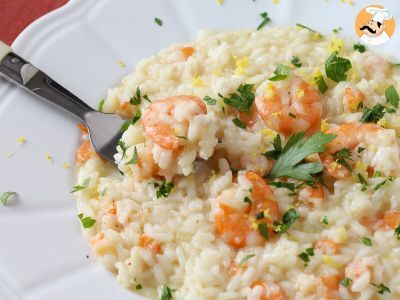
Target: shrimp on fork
{"x": 292, "y": 107}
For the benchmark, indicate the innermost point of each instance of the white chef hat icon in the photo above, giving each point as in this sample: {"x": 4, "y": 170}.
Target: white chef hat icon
{"x": 379, "y": 14}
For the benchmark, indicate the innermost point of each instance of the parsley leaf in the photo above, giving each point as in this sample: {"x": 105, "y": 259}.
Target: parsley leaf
{"x": 397, "y": 232}
{"x": 364, "y": 183}
{"x": 239, "y": 123}
{"x": 287, "y": 185}
{"x": 360, "y": 149}
{"x": 345, "y": 282}
{"x": 132, "y": 121}
{"x": 166, "y": 293}
{"x": 158, "y": 21}
{"x": 245, "y": 259}
{"x": 341, "y": 157}
{"x": 123, "y": 147}
{"x": 87, "y": 222}
{"x": 320, "y": 82}
{"x": 101, "y": 104}
{"x": 290, "y": 160}
{"x": 392, "y": 96}
{"x": 336, "y": 67}
{"x": 134, "y": 158}
{"x": 263, "y": 229}
{"x": 138, "y": 287}
{"x": 301, "y": 26}
{"x": 374, "y": 114}
{"x": 337, "y": 30}
{"x": 81, "y": 187}
{"x": 265, "y": 20}
{"x": 247, "y": 200}
{"x": 359, "y": 47}
{"x": 281, "y": 72}
{"x": 382, "y": 288}
{"x": 366, "y": 241}
{"x": 277, "y": 144}
{"x": 147, "y": 98}
{"x": 296, "y": 61}
{"x": 379, "y": 185}
{"x": 137, "y": 99}
{"x": 164, "y": 189}
{"x": 209, "y": 100}
{"x": 243, "y": 99}
{"x": 324, "y": 220}
{"x": 305, "y": 256}
{"x": 287, "y": 220}
{"x": 5, "y": 197}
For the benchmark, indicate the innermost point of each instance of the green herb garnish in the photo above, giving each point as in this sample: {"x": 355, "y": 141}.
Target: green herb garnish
{"x": 245, "y": 259}
{"x": 336, "y": 67}
{"x": 132, "y": 121}
{"x": 382, "y": 288}
{"x": 287, "y": 220}
{"x": 81, "y": 187}
{"x": 134, "y": 158}
{"x": 263, "y": 229}
{"x": 101, "y": 105}
{"x": 392, "y": 96}
{"x": 239, "y": 123}
{"x": 287, "y": 185}
{"x": 281, "y": 72}
{"x": 138, "y": 287}
{"x": 243, "y": 99}
{"x": 158, "y": 21}
{"x": 103, "y": 192}
{"x": 359, "y": 47}
{"x": 366, "y": 241}
{"x": 265, "y": 20}
{"x": 164, "y": 189}
{"x": 145, "y": 97}
{"x": 305, "y": 256}
{"x": 397, "y": 232}
{"x": 166, "y": 293}
{"x": 374, "y": 114}
{"x": 277, "y": 144}
{"x": 87, "y": 222}
{"x": 360, "y": 149}
{"x": 123, "y": 147}
{"x": 364, "y": 183}
{"x": 379, "y": 185}
{"x": 5, "y": 197}
{"x": 320, "y": 82}
{"x": 296, "y": 61}
{"x": 341, "y": 157}
{"x": 290, "y": 161}
{"x": 324, "y": 220}
{"x": 247, "y": 200}
{"x": 137, "y": 99}
{"x": 337, "y": 30}
{"x": 345, "y": 282}
{"x": 301, "y": 26}
{"x": 209, "y": 100}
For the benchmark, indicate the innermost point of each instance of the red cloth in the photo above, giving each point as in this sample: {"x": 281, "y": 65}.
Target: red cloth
{"x": 15, "y": 15}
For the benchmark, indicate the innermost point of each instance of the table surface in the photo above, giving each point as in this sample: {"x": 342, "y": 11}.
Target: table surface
{"x": 15, "y": 15}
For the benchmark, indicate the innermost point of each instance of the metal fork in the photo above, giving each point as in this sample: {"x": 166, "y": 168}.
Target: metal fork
{"x": 104, "y": 129}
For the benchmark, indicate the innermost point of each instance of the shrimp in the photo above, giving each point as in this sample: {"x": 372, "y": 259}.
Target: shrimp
{"x": 327, "y": 246}
{"x": 239, "y": 227}
{"x": 353, "y": 98}
{"x": 166, "y": 120}
{"x": 312, "y": 195}
{"x": 84, "y": 153}
{"x": 331, "y": 284}
{"x": 149, "y": 243}
{"x": 348, "y": 135}
{"x": 360, "y": 275}
{"x": 270, "y": 291}
{"x": 292, "y": 108}
{"x": 391, "y": 220}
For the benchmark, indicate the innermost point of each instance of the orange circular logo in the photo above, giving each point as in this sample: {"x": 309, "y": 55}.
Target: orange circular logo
{"x": 374, "y": 25}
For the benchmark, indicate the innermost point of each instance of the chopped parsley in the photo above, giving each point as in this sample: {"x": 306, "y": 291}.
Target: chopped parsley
{"x": 263, "y": 229}
{"x": 101, "y": 105}
{"x": 341, "y": 157}
{"x": 166, "y": 293}
{"x": 281, "y": 72}
{"x": 158, "y": 21}
{"x": 138, "y": 287}
{"x": 301, "y": 26}
{"x": 366, "y": 241}
{"x": 81, "y": 187}
{"x": 296, "y": 61}
{"x": 245, "y": 259}
{"x": 243, "y": 99}
{"x": 239, "y": 123}
{"x": 134, "y": 158}
{"x": 290, "y": 160}
{"x": 364, "y": 183}
{"x": 182, "y": 137}
{"x": 164, "y": 189}
{"x": 247, "y": 200}
{"x": 359, "y": 47}
{"x": 397, "y": 232}
{"x": 123, "y": 147}
{"x": 324, "y": 220}
{"x": 336, "y": 67}
{"x": 287, "y": 185}
{"x": 337, "y": 30}
{"x": 137, "y": 99}
{"x": 260, "y": 215}
{"x": 379, "y": 185}
{"x": 360, "y": 149}
{"x": 292, "y": 115}
{"x": 345, "y": 282}
{"x": 320, "y": 82}
{"x": 132, "y": 121}
{"x": 382, "y": 288}
{"x": 87, "y": 222}
{"x": 392, "y": 96}
{"x": 277, "y": 144}
{"x": 5, "y": 197}
{"x": 145, "y": 97}
{"x": 287, "y": 220}
{"x": 305, "y": 256}
{"x": 265, "y": 20}
{"x": 209, "y": 100}
{"x": 374, "y": 114}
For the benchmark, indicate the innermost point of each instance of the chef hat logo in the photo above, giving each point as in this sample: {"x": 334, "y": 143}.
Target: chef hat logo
{"x": 375, "y": 25}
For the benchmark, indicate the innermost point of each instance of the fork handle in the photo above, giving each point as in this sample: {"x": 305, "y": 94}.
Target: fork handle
{"x": 25, "y": 74}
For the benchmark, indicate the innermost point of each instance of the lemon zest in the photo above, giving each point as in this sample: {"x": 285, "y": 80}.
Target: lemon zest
{"x": 217, "y": 72}
{"x": 241, "y": 64}
{"x": 324, "y": 125}
{"x": 197, "y": 81}
{"x": 21, "y": 140}
{"x": 329, "y": 261}
{"x": 48, "y": 157}
{"x": 220, "y": 2}
{"x": 121, "y": 63}
{"x": 66, "y": 165}
{"x": 335, "y": 44}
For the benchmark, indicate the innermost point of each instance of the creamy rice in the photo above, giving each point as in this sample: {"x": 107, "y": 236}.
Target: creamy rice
{"x": 185, "y": 251}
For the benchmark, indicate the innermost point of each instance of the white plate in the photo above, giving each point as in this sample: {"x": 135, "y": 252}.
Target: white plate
{"x": 42, "y": 255}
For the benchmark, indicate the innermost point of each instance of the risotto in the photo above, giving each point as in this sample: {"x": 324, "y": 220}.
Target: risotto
{"x": 253, "y": 165}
